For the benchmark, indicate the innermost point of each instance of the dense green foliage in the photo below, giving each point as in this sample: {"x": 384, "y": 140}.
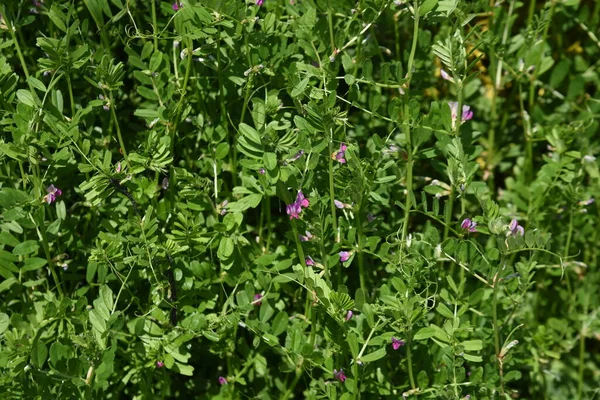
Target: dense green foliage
{"x": 299, "y": 199}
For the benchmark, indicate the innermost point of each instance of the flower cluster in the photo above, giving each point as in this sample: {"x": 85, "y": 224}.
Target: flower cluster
{"x": 53, "y": 193}
{"x": 340, "y": 154}
{"x": 339, "y": 375}
{"x": 397, "y": 343}
{"x": 294, "y": 209}
{"x": 468, "y": 225}
{"x": 467, "y": 114}
{"x": 515, "y": 229}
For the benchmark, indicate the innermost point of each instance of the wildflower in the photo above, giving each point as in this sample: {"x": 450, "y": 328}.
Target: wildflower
{"x": 349, "y": 315}
{"x": 446, "y": 76}
{"x": 589, "y": 158}
{"x": 340, "y": 154}
{"x": 53, "y": 193}
{"x": 160, "y": 364}
{"x": 309, "y": 261}
{"x": 586, "y": 202}
{"x": 262, "y": 171}
{"x": 344, "y": 256}
{"x": 469, "y": 225}
{"x": 222, "y": 381}
{"x": 514, "y": 228}
{"x": 306, "y": 238}
{"x": 397, "y": 343}
{"x": 221, "y": 207}
{"x": 297, "y": 156}
{"x": 339, "y": 375}
{"x": 176, "y": 6}
{"x": 301, "y": 200}
{"x": 467, "y": 114}
{"x": 260, "y": 2}
{"x": 257, "y": 298}
{"x": 293, "y": 210}
{"x": 118, "y": 168}
{"x": 165, "y": 183}
{"x": 341, "y": 205}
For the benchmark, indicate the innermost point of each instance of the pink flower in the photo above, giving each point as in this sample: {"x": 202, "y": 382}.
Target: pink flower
{"x": 340, "y": 154}
{"x": 339, "y": 375}
{"x": 338, "y": 204}
{"x": 53, "y": 193}
{"x": 309, "y": 261}
{"x": 257, "y": 298}
{"x": 446, "y": 76}
{"x": 176, "y": 6}
{"x": 306, "y": 238}
{"x": 349, "y": 315}
{"x": 467, "y": 114}
{"x": 469, "y": 225}
{"x": 160, "y": 364}
{"x": 344, "y": 256}
{"x": 515, "y": 229}
{"x": 262, "y": 171}
{"x": 294, "y": 209}
{"x": 259, "y": 2}
{"x": 222, "y": 381}
{"x": 397, "y": 343}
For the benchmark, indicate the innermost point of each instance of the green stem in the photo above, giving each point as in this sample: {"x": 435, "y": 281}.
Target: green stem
{"x": 409, "y": 361}
{"x": 291, "y": 388}
{"x": 448, "y": 211}
{"x": 361, "y": 261}
{"x": 19, "y": 53}
{"x": 496, "y": 331}
{"x": 582, "y": 334}
{"x": 537, "y": 66}
{"x": 51, "y": 266}
{"x": 70, "y": 87}
{"x": 119, "y": 136}
{"x": 406, "y": 124}
{"x": 330, "y": 23}
{"x": 331, "y": 186}
{"x": 154, "y": 25}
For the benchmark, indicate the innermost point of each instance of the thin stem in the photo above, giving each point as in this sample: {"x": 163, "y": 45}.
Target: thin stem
{"x": 582, "y": 333}
{"x": 154, "y": 26}
{"x": 331, "y": 185}
{"x": 119, "y": 136}
{"x": 496, "y": 331}
{"x": 70, "y": 87}
{"x": 534, "y": 75}
{"x": 361, "y": 261}
{"x": 409, "y": 361}
{"x": 19, "y": 53}
{"x": 330, "y": 23}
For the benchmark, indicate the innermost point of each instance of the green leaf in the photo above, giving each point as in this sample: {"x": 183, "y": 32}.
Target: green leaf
{"x": 221, "y": 151}
{"x": 426, "y": 332}
{"x": 299, "y": 88}
{"x": 374, "y": 356}
{"x": 25, "y": 248}
{"x": 353, "y": 344}
{"x": 280, "y": 323}
{"x": 270, "y": 160}
{"x": 226, "y": 247}
{"x": 472, "y": 345}
{"x": 26, "y": 97}
{"x": 39, "y": 353}
{"x": 427, "y": 6}
{"x": 4, "y": 322}
{"x": 31, "y": 264}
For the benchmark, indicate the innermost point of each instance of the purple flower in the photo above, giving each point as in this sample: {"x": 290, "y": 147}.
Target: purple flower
{"x": 257, "y": 298}
{"x": 338, "y": 204}
{"x": 349, "y": 315}
{"x": 306, "y": 238}
{"x": 262, "y": 171}
{"x": 309, "y": 261}
{"x": 469, "y": 225}
{"x": 176, "y": 6}
{"x": 467, "y": 114}
{"x": 340, "y": 154}
{"x": 53, "y": 193}
{"x": 160, "y": 364}
{"x": 397, "y": 343}
{"x": 294, "y": 209}
{"x": 344, "y": 256}
{"x": 586, "y": 202}
{"x": 222, "y": 381}
{"x": 298, "y": 154}
{"x": 259, "y": 2}
{"x": 118, "y": 169}
{"x": 446, "y": 76}
{"x": 339, "y": 375}
{"x": 515, "y": 229}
